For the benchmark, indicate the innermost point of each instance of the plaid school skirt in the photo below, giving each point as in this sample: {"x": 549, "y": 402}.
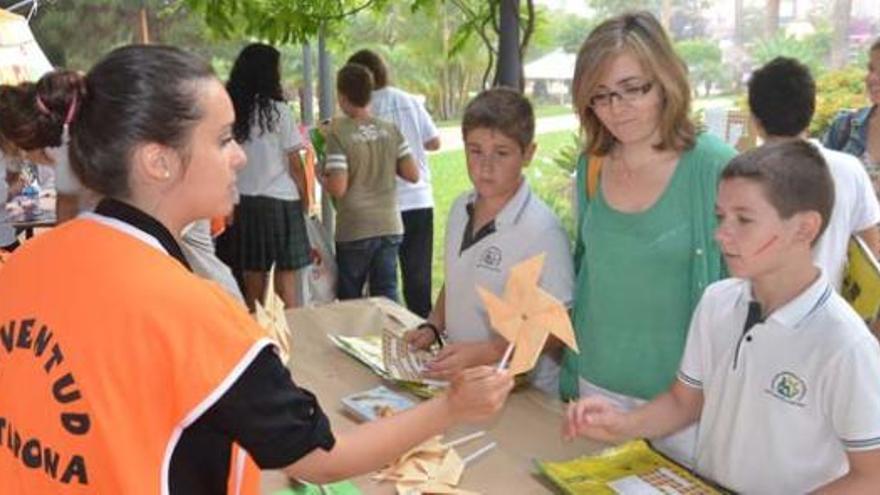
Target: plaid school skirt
{"x": 271, "y": 231}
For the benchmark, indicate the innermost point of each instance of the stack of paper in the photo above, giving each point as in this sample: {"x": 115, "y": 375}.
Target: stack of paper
{"x": 388, "y": 357}
{"x": 633, "y": 468}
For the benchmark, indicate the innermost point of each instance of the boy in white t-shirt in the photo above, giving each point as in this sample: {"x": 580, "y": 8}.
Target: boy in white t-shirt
{"x": 782, "y": 97}
{"x": 779, "y": 370}
{"x": 490, "y": 229}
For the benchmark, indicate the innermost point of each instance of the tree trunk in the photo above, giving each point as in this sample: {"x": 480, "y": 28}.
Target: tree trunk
{"x": 509, "y": 64}
{"x": 738, "y": 23}
{"x": 325, "y": 111}
{"x": 840, "y": 39}
{"x": 307, "y": 110}
{"x": 771, "y": 19}
{"x": 143, "y": 27}
{"x": 666, "y": 14}
{"x": 446, "y": 89}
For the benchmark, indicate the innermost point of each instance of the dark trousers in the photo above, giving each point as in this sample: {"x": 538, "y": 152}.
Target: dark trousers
{"x": 416, "y": 256}
{"x": 372, "y": 261}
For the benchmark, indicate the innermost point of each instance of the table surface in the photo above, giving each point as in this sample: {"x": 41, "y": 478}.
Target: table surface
{"x": 527, "y": 429}
{"x": 45, "y": 217}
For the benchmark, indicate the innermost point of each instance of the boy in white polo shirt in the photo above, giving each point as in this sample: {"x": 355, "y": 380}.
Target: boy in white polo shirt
{"x": 781, "y": 373}
{"x": 490, "y": 229}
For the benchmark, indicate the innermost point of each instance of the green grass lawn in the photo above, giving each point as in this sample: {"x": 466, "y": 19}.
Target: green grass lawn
{"x": 548, "y": 110}
{"x": 449, "y": 179}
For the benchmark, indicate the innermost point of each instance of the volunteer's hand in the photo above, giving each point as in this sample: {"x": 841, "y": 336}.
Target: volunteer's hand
{"x": 420, "y": 338}
{"x": 456, "y": 356}
{"x": 477, "y": 394}
{"x": 595, "y": 418}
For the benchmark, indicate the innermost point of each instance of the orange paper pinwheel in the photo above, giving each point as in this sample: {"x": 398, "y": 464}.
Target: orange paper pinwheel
{"x": 527, "y": 314}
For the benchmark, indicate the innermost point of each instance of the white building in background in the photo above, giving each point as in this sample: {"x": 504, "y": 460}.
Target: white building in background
{"x": 549, "y": 77}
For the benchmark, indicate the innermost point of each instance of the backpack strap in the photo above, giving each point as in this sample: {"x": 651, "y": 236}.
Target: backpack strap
{"x": 594, "y": 166}
{"x": 845, "y": 130}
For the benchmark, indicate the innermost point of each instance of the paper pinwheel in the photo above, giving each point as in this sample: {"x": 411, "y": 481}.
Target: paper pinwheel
{"x": 432, "y": 467}
{"x": 270, "y": 315}
{"x": 527, "y": 315}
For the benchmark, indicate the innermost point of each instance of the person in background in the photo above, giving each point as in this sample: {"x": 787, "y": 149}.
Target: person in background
{"x": 36, "y": 120}
{"x": 646, "y": 189}
{"x": 37, "y": 130}
{"x": 779, "y": 370}
{"x": 857, "y": 132}
{"x": 269, "y": 223}
{"x": 112, "y": 328}
{"x": 782, "y": 98}
{"x": 9, "y": 188}
{"x": 364, "y": 156}
{"x": 415, "y": 200}
{"x": 491, "y": 229}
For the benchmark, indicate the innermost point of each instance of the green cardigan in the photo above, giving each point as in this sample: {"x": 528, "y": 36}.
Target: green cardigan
{"x": 702, "y": 162}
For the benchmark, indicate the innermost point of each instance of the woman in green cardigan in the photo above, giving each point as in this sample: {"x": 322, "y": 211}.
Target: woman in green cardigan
{"x": 646, "y": 199}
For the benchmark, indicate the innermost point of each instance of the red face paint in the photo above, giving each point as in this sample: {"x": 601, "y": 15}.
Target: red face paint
{"x": 765, "y": 246}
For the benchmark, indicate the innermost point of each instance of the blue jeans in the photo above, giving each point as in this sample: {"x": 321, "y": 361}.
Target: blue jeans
{"x": 373, "y": 261}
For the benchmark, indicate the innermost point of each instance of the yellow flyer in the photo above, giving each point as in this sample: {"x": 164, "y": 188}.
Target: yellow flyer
{"x": 632, "y": 468}
{"x": 861, "y": 280}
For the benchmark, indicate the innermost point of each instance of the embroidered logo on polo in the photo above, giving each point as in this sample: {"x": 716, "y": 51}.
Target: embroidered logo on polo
{"x": 490, "y": 258}
{"x": 788, "y": 387}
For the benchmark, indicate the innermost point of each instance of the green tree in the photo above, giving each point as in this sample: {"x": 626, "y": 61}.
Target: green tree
{"x": 787, "y": 46}
{"x": 571, "y": 31}
{"x": 703, "y": 58}
{"x": 417, "y": 46}
{"x": 77, "y": 34}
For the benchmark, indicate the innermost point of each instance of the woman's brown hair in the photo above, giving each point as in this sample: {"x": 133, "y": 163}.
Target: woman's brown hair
{"x": 34, "y": 114}
{"x": 640, "y": 34}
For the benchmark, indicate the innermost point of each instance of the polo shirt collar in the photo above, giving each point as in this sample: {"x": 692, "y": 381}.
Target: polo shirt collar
{"x": 794, "y": 312}
{"x": 513, "y": 210}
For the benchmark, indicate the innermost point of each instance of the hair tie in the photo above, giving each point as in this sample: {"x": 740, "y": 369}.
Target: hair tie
{"x": 71, "y": 110}
{"x": 42, "y": 106}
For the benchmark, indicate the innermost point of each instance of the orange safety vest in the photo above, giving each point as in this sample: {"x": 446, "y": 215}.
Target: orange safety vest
{"x": 109, "y": 348}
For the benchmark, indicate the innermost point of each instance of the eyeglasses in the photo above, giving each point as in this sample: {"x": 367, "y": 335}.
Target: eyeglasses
{"x": 627, "y": 95}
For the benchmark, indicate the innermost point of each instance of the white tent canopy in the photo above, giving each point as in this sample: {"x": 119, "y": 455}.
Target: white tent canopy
{"x": 557, "y": 65}
{"x": 21, "y": 58}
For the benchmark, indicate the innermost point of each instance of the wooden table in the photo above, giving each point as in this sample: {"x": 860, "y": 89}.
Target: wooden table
{"x": 527, "y": 429}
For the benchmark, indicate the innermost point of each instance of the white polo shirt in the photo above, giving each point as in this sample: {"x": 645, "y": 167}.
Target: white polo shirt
{"x": 524, "y": 228}
{"x": 855, "y": 209}
{"x": 267, "y": 172}
{"x": 416, "y": 125}
{"x": 785, "y": 401}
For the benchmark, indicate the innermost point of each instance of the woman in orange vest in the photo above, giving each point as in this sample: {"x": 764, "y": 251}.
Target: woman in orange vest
{"x": 121, "y": 371}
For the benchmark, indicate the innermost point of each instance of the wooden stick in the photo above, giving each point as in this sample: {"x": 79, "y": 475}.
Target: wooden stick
{"x": 506, "y": 359}
{"x": 465, "y": 439}
{"x": 478, "y": 453}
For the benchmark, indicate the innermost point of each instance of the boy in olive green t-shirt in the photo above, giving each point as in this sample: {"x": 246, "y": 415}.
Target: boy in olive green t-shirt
{"x": 364, "y": 155}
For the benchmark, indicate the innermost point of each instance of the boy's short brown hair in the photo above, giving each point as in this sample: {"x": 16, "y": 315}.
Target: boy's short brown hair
{"x": 504, "y": 110}
{"x": 372, "y": 61}
{"x": 793, "y": 174}
{"x": 355, "y": 82}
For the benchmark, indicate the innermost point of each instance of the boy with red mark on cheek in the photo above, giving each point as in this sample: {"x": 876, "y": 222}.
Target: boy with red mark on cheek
{"x": 778, "y": 369}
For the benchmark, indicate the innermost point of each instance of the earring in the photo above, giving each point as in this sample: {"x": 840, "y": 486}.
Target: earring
{"x": 166, "y": 174}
